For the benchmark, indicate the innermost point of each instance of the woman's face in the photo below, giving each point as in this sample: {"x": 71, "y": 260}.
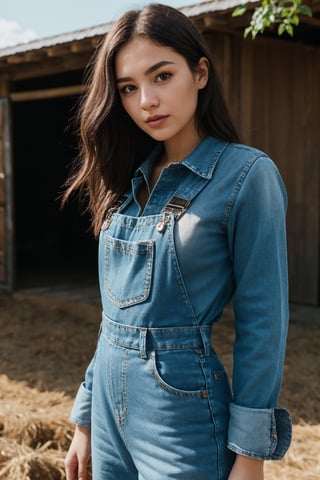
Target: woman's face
{"x": 158, "y": 89}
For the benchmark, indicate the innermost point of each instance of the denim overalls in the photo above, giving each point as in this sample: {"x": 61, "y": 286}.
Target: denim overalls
{"x": 156, "y": 395}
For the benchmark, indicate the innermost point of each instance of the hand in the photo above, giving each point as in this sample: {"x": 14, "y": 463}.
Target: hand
{"x": 76, "y": 461}
{"x": 245, "y": 468}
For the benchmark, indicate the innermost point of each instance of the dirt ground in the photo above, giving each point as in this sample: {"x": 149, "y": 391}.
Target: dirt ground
{"x": 45, "y": 345}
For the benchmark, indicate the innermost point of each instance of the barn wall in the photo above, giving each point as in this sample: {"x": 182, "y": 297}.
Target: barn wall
{"x": 272, "y": 88}
{"x": 2, "y": 201}
{"x": 6, "y": 225}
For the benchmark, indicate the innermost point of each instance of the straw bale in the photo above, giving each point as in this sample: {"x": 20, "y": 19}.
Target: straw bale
{"x": 34, "y": 418}
{"x": 302, "y": 462}
{"x": 45, "y": 346}
{"x": 34, "y": 429}
{"x": 24, "y": 463}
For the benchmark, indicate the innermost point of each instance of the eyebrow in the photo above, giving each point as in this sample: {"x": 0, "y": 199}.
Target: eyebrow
{"x": 151, "y": 69}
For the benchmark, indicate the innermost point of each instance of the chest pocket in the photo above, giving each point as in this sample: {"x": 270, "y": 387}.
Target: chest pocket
{"x": 128, "y": 271}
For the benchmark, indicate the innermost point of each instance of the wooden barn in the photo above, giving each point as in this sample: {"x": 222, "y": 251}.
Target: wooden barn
{"x": 272, "y": 86}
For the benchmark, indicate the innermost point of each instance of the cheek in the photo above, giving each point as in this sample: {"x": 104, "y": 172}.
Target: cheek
{"x": 187, "y": 96}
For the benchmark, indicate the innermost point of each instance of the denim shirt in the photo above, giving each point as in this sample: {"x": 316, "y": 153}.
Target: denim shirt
{"x": 230, "y": 244}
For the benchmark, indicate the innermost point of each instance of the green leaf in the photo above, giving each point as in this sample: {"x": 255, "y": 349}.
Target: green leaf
{"x": 283, "y": 13}
{"x": 295, "y": 20}
{"x": 305, "y": 10}
{"x": 286, "y": 12}
{"x": 289, "y": 29}
{"x": 247, "y": 31}
{"x": 240, "y": 10}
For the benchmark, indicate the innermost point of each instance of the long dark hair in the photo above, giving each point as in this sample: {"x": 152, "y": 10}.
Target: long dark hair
{"x": 112, "y": 146}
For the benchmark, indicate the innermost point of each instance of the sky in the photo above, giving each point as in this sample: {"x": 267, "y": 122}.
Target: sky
{"x": 25, "y": 20}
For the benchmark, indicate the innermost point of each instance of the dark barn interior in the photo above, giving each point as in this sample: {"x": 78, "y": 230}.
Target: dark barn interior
{"x": 51, "y": 245}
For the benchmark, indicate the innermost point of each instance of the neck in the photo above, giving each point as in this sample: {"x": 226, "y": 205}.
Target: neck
{"x": 175, "y": 152}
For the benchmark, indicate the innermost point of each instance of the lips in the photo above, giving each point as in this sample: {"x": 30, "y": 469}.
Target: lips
{"x": 156, "y": 120}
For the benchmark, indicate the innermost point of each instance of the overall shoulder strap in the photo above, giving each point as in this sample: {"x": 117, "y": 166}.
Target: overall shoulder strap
{"x": 117, "y": 205}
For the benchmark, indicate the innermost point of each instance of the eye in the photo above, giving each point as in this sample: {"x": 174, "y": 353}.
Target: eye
{"x": 162, "y": 77}
{"x": 127, "y": 89}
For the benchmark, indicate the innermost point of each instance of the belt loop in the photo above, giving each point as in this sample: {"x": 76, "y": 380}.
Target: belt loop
{"x": 205, "y": 333}
{"x": 143, "y": 343}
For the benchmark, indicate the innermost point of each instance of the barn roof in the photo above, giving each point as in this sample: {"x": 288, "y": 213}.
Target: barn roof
{"x": 51, "y": 41}
{"x": 78, "y": 45}
{"x": 98, "y": 30}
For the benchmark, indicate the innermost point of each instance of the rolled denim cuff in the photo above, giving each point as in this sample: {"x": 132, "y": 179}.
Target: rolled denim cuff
{"x": 264, "y": 434}
{"x": 81, "y": 410}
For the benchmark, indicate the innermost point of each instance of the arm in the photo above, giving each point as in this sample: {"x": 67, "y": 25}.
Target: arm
{"x": 81, "y": 410}
{"x": 78, "y": 455}
{"x": 79, "y": 452}
{"x": 245, "y": 468}
{"x": 257, "y": 245}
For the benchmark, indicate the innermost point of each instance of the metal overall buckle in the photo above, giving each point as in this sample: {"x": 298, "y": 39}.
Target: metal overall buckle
{"x": 177, "y": 206}
{"x": 114, "y": 208}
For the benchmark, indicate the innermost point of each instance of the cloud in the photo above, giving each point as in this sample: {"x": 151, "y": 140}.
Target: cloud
{"x": 11, "y": 33}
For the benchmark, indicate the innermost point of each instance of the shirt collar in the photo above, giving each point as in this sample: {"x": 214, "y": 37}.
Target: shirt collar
{"x": 201, "y": 161}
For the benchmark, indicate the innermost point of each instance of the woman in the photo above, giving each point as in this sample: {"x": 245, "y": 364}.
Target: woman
{"x": 188, "y": 219}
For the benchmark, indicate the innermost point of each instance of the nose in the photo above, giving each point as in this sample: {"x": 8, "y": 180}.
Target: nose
{"x": 148, "y": 98}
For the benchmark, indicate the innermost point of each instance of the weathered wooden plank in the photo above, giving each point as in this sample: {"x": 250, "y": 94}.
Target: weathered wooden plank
{"x": 275, "y": 88}
{"x": 2, "y": 174}
{"x": 246, "y": 100}
{"x": 291, "y": 142}
{"x": 47, "y": 93}
{"x": 52, "y": 67}
{"x": 2, "y": 245}
{"x": 304, "y": 200}
{"x": 5, "y": 167}
{"x": 2, "y": 200}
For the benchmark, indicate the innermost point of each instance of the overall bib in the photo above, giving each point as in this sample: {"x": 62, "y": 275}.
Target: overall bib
{"x": 160, "y": 396}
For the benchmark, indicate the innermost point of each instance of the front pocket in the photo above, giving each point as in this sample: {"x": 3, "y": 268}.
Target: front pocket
{"x": 178, "y": 372}
{"x": 128, "y": 271}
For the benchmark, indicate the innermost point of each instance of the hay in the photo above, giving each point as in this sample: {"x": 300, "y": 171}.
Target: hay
{"x": 45, "y": 345}
{"x": 303, "y": 458}
{"x": 34, "y": 418}
{"x": 24, "y": 463}
{"x": 34, "y": 429}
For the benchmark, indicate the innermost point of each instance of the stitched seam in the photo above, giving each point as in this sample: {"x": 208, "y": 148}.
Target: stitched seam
{"x": 237, "y": 188}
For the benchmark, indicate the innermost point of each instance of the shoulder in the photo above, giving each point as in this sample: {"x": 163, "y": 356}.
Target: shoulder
{"x": 242, "y": 154}
{"x": 252, "y": 177}
{"x": 243, "y": 160}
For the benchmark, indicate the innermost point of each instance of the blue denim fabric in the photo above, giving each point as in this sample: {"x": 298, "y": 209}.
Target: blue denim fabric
{"x": 229, "y": 244}
{"x": 150, "y": 420}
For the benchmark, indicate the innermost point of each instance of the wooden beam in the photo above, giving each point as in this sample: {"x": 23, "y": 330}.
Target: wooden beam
{"x": 315, "y": 22}
{"x": 51, "y": 67}
{"x": 4, "y": 85}
{"x": 95, "y": 41}
{"x": 210, "y": 21}
{"x": 26, "y": 57}
{"x": 79, "y": 47}
{"x": 16, "y": 59}
{"x": 35, "y": 56}
{"x": 58, "y": 50}
{"x": 47, "y": 93}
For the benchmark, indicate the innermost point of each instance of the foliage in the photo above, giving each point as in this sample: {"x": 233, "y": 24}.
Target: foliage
{"x": 269, "y": 13}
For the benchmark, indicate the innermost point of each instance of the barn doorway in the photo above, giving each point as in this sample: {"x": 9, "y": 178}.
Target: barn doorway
{"x": 51, "y": 246}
